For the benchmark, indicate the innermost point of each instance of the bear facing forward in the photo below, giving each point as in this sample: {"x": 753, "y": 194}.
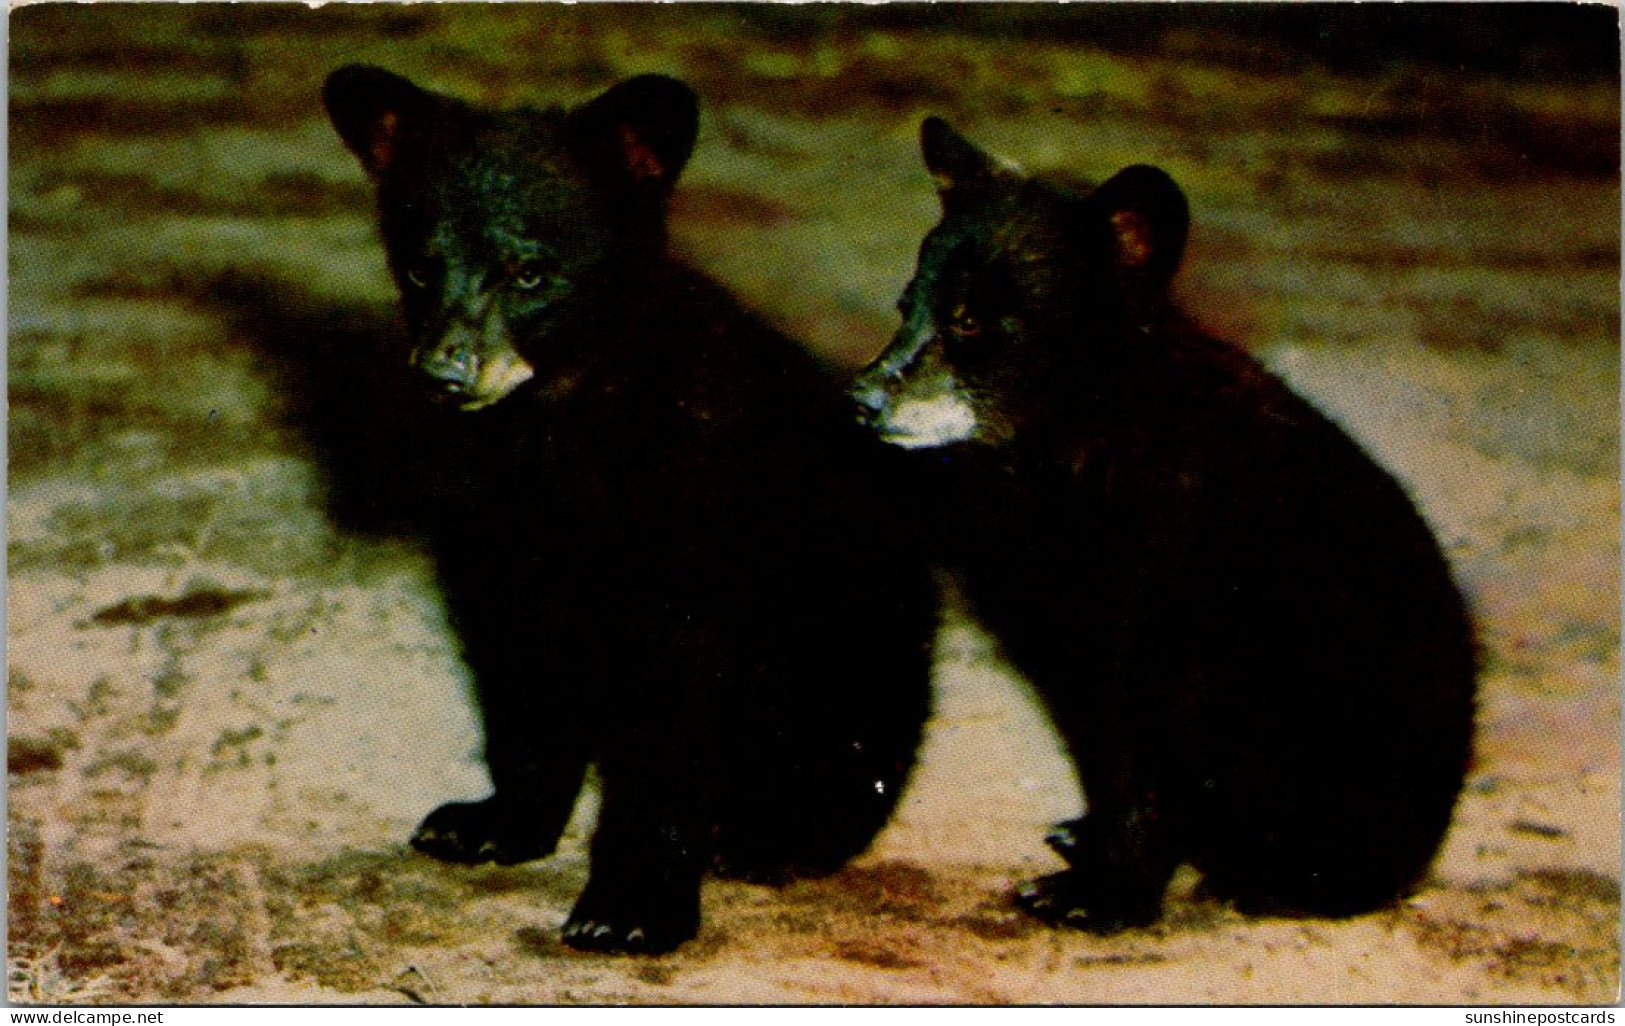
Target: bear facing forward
{"x": 664, "y": 553}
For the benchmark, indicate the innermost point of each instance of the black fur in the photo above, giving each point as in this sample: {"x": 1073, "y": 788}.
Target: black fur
{"x": 662, "y": 553}
{"x": 1244, "y": 631}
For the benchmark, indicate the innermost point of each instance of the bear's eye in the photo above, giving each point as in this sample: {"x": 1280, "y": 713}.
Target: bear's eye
{"x": 530, "y": 275}
{"x": 963, "y": 323}
{"x": 419, "y": 273}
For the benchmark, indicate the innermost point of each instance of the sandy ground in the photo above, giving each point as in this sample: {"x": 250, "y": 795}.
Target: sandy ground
{"x": 229, "y": 700}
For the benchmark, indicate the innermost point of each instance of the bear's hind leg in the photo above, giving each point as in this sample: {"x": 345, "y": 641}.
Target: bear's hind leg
{"x": 1119, "y": 868}
{"x": 832, "y": 726}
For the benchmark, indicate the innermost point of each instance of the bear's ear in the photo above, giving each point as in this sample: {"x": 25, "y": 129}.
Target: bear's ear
{"x": 960, "y": 169}
{"x": 1149, "y": 220}
{"x": 377, "y": 113}
{"x": 640, "y": 131}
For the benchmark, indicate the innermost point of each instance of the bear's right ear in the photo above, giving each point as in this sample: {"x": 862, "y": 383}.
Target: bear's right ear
{"x": 376, "y": 112}
{"x": 960, "y": 169}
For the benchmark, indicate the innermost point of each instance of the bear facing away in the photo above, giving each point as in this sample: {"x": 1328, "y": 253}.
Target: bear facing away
{"x": 1241, "y": 626}
{"x": 662, "y": 553}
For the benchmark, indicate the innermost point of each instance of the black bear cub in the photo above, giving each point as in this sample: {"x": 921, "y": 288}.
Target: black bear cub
{"x": 1243, "y": 629}
{"x": 661, "y": 554}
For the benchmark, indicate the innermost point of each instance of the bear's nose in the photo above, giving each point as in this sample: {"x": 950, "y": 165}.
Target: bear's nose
{"x": 871, "y": 404}
{"x": 452, "y": 367}
{"x": 869, "y": 393}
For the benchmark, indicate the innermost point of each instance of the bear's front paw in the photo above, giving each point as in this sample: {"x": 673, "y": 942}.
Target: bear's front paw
{"x": 1067, "y": 899}
{"x": 651, "y": 927}
{"x": 476, "y": 832}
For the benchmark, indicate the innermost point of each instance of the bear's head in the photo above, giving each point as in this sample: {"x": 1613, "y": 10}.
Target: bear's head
{"x": 509, "y": 231}
{"x": 1022, "y": 285}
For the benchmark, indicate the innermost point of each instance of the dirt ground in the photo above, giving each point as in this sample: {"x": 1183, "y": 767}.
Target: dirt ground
{"x": 231, "y": 690}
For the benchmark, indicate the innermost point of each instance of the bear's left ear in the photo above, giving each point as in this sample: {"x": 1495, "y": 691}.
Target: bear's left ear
{"x": 1149, "y": 220}
{"x": 958, "y": 166}
{"x": 640, "y": 131}
{"x": 379, "y": 115}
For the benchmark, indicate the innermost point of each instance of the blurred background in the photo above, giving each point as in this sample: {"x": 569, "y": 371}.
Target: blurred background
{"x": 231, "y": 690}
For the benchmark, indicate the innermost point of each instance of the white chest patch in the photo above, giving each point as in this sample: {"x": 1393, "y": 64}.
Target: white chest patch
{"x": 928, "y": 423}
